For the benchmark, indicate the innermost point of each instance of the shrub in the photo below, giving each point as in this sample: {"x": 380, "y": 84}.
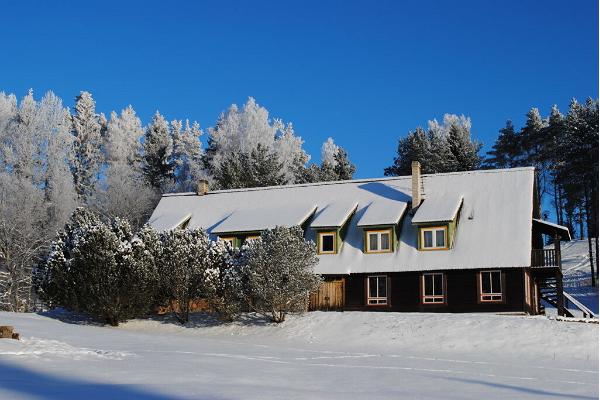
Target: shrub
{"x": 281, "y": 272}
{"x": 98, "y": 269}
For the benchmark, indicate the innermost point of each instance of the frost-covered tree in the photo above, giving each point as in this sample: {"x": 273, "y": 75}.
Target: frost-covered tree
{"x": 335, "y": 166}
{"x": 243, "y": 131}
{"x": 22, "y": 239}
{"x": 445, "y": 147}
{"x": 158, "y": 147}
{"x": 343, "y": 167}
{"x": 36, "y": 188}
{"x": 464, "y": 151}
{"x": 124, "y": 192}
{"x": 87, "y": 147}
{"x": 188, "y": 259}
{"x": 261, "y": 167}
{"x": 281, "y": 272}
{"x": 187, "y": 155}
{"x": 98, "y": 269}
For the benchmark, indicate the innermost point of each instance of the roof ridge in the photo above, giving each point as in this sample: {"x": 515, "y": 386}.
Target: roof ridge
{"x": 351, "y": 181}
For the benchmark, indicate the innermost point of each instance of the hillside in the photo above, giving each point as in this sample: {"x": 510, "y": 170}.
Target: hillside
{"x": 576, "y": 272}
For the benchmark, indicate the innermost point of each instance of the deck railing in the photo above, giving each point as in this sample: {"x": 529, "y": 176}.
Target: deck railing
{"x": 541, "y": 258}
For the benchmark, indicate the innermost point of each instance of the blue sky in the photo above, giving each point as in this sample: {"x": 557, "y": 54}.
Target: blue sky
{"x": 363, "y": 72}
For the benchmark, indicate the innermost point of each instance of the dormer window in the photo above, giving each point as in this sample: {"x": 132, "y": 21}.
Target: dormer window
{"x": 327, "y": 242}
{"x": 434, "y": 238}
{"x": 230, "y": 240}
{"x": 379, "y": 241}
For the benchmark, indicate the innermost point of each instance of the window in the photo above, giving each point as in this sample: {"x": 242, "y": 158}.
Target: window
{"x": 434, "y": 238}
{"x": 490, "y": 285}
{"x": 434, "y": 288}
{"x": 379, "y": 241}
{"x": 228, "y": 240}
{"x": 377, "y": 290}
{"x": 252, "y": 238}
{"x": 327, "y": 243}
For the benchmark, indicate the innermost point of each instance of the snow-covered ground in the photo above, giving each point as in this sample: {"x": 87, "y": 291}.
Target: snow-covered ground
{"x": 576, "y": 271}
{"x": 577, "y": 277}
{"x": 350, "y": 355}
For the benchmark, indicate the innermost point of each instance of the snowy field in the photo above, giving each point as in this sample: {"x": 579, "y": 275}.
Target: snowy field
{"x": 318, "y": 355}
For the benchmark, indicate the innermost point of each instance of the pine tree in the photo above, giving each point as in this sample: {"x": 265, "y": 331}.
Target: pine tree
{"x": 344, "y": 169}
{"x": 158, "y": 146}
{"x": 281, "y": 272}
{"x": 87, "y": 155}
{"x": 464, "y": 151}
{"x": 506, "y": 152}
{"x": 99, "y": 269}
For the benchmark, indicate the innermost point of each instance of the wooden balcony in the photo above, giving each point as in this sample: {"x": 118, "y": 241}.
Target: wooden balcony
{"x": 545, "y": 258}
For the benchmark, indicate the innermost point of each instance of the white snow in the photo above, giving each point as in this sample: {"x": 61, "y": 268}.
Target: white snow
{"x": 258, "y": 219}
{"x": 349, "y": 355}
{"x": 577, "y": 278}
{"x": 382, "y": 212}
{"x": 439, "y": 208}
{"x": 333, "y": 214}
{"x": 494, "y": 228}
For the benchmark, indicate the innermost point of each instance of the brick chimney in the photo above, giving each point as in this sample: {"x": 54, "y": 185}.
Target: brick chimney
{"x": 202, "y": 187}
{"x": 416, "y": 184}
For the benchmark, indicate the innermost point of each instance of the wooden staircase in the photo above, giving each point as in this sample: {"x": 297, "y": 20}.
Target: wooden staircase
{"x": 550, "y": 293}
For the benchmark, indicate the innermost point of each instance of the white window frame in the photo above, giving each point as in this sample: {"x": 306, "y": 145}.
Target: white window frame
{"x": 434, "y": 230}
{"x": 378, "y": 300}
{"x": 379, "y": 232}
{"x": 229, "y": 240}
{"x": 328, "y": 233}
{"x": 492, "y": 297}
{"x": 433, "y": 298}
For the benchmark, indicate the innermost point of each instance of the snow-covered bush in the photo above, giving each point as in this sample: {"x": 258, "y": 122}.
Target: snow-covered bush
{"x": 99, "y": 269}
{"x": 281, "y": 272}
{"x": 226, "y": 283}
{"x": 190, "y": 263}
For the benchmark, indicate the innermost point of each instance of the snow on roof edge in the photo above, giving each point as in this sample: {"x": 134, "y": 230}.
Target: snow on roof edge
{"x": 350, "y": 181}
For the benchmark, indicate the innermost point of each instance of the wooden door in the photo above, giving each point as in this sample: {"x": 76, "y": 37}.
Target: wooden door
{"x": 330, "y": 296}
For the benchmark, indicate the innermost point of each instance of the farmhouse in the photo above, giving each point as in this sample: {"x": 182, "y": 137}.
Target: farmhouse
{"x": 454, "y": 242}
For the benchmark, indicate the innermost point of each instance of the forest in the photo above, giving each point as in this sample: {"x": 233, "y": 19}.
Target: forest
{"x": 54, "y": 159}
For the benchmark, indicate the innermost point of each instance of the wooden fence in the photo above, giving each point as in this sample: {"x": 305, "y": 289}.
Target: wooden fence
{"x": 330, "y": 296}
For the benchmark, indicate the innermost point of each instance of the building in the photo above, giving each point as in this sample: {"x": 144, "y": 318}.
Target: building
{"x": 454, "y": 242}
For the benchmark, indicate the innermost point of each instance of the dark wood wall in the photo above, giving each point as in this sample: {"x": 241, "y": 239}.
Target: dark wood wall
{"x": 462, "y": 291}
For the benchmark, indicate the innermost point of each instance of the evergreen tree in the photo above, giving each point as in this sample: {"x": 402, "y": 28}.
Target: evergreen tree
{"x": 258, "y": 169}
{"x": 158, "y": 147}
{"x": 99, "y": 269}
{"x": 506, "y": 152}
{"x": 344, "y": 169}
{"x": 281, "y": 272}
{"x": 463, "y": 150}
{"x": 87, "y": 153}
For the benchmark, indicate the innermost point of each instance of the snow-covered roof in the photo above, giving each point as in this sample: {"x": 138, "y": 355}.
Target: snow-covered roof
{"x": 552, "y": 229}
{"x": 261, "y": 218}
{"x": 441, "y": 207}
{"x": 382, "y": 211}
{"x": 334, "y": 214}
{"x": 494, "y": 227}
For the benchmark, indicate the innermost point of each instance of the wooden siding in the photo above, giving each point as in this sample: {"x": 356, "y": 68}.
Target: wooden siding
{"x": 330, "y": 296}
{"x": 462, "y": 292}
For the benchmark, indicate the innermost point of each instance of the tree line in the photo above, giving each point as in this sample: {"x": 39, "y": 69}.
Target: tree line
{"x": 54, "y": 159}
{"x": 562, "y": 148}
